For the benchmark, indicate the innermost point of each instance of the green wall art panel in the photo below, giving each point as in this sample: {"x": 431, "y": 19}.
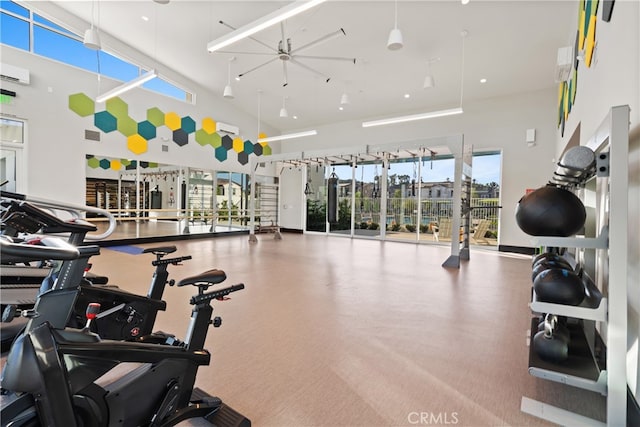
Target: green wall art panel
{"x": 137, "y": 134}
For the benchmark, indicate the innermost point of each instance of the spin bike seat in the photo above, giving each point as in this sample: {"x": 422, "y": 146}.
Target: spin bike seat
{"x": 211, "y": 277}
{"x": 160, "y": 250}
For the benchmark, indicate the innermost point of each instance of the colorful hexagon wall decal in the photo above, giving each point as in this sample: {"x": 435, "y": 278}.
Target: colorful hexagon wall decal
{"x": 172, "y": 121}
{"x": 81, "y": 104}
{"x": 117, "y": 107}
{"x": 116, "y": 117}
{"x": 221, "y": 154}
{"x": 203, "y": 138}
{"x": 180, "y": 137}
{"x": 216, "y": 140}
{"x": 137, "y": 144}
{"x": 104, "y": 121}
{"x": 116, "y": 165}
{"x": 227, "y": 142}
{"x": 155, "y": 116}
{"x": 127, "y": 126}
{"x": 147, "y": 130}
{"x": 209, "y": 125}
{"x": 93, "y": 163}
{"x": 188, "y": 124}
{"x": 248, "y": 147}
{"x": 243, "y": 158}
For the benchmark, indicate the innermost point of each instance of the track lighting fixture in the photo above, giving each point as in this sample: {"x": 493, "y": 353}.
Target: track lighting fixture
{"x": 395, "y": 36}
{"x": 143, "y": 78}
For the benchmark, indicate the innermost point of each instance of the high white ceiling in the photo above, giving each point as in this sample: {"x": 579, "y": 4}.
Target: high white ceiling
{"x": 513, "y": 44}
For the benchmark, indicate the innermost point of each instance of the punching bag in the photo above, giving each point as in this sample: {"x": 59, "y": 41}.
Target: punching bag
{"x": 332, "y": 198}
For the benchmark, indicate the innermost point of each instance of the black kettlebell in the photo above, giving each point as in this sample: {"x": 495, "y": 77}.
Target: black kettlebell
{"x": 551, "y": 258}
{"x": 545, "y": 256}
{"x": 550, "y": 347}
{"x": 557, "y": 327}
{"x": 559, "y": 286}
{"x": 545, "y": 265}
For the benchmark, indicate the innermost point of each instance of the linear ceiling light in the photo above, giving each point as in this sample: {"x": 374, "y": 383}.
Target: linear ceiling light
{"x": 127, "y": 86}
{"x": 288, "y": 136}
{"x": 260, "y": 24}
{"x": 413, "y": 117}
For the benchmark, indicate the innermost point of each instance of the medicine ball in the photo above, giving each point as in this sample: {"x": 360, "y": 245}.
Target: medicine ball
{"x": 559, "y": 286}
{"x": 550, "y": 211}
{"x": 546, "y": 265}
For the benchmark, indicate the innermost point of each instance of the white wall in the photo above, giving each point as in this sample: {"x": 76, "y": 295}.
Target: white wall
{"x": 56, "y": 148}
{"x": 498, "y": 123}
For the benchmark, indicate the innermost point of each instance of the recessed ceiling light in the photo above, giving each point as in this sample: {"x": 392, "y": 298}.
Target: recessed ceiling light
{"x": 407, "y": 96}
{"x": 145, "y": 18}
{"x": 340, "y": 108}
{"x": 295, "y": 117}
{"x": 483, "y": 80}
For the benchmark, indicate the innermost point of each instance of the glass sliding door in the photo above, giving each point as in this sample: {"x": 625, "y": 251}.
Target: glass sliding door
{"x": 344, "y": 176}
{"x": 436, "y": 195}
{"x": 316, "y": 199}
{"x": 402, "y": 200}
{"x": 368, "y": 192}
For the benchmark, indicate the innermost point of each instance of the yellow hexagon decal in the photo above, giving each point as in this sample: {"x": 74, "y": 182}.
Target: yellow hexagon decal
{"x": 172, "y": 121}
{"x": 209, "y": 125}
{"x": 262, "y": 135}
{"x": 137, "y": 144}
{"x": 116, "y": 165}
{"x": 238, "y": 145}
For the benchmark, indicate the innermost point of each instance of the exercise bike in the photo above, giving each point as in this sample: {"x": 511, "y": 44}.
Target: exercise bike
{"x": 55, "y": 375}
{"x": 126, "y": 316}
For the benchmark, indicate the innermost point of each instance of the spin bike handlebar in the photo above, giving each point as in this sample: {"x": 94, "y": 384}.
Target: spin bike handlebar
{"x": 173, "y": 261}
{"x": 197, "y": 299}
{"x": 53, "y": 248}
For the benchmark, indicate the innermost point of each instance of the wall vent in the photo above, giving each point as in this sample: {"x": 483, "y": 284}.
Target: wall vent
{"x": 91, "y": 135}
{"x": 165, "y": 148}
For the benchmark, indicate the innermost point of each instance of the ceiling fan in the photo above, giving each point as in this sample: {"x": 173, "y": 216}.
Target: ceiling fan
{"x": 288, "y": 54}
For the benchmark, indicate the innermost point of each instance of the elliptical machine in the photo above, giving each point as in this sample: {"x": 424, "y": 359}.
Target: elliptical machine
{"x": 56, "y": 376}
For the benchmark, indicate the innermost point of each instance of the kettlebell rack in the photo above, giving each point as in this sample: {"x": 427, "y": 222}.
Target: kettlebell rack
{"x": 598, "y": 347}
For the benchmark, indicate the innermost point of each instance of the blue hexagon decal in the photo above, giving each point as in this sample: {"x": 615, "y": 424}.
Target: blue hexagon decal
{"x": 105, "y": 164}
{"x": 188, "y": 125}
{"x": 221, "y": 153}
{"x": 105, "y": 121}
{"x": 147, "y": 130}
{"x": 180, "y": 137}
{"x": 248, "y": 147}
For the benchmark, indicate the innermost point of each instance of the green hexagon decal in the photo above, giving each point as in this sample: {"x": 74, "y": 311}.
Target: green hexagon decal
{"x": 104, "y": 121}
{"x": 216, "y": 140}
{"x": 93, "y": 163}
{"x": 81, "y": 104}
{"x": 155, "y": 116}
{"x": 117, "y": 107}
{"x": 147, "y": 130}
{"x": 137, "y": 144}
{"x": 127, "y": 126}
{"x": 203, "y": 138}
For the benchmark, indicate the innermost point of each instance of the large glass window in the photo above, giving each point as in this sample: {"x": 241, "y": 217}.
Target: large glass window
{"x": 14, "y": 31}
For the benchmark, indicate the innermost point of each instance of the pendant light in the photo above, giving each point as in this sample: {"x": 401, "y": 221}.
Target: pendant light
{"x": 283, "y": 110}
{"x": 91, "y": 37}
{"x": 228, "y": 92}
{"x": 429, "y": 81}
{"x": 395, "y": 36}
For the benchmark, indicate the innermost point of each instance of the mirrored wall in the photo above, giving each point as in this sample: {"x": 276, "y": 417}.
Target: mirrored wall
{"x": 155, "y": 200}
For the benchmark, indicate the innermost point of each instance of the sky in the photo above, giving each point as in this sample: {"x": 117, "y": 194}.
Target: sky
{"x": 485, "y": 169}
